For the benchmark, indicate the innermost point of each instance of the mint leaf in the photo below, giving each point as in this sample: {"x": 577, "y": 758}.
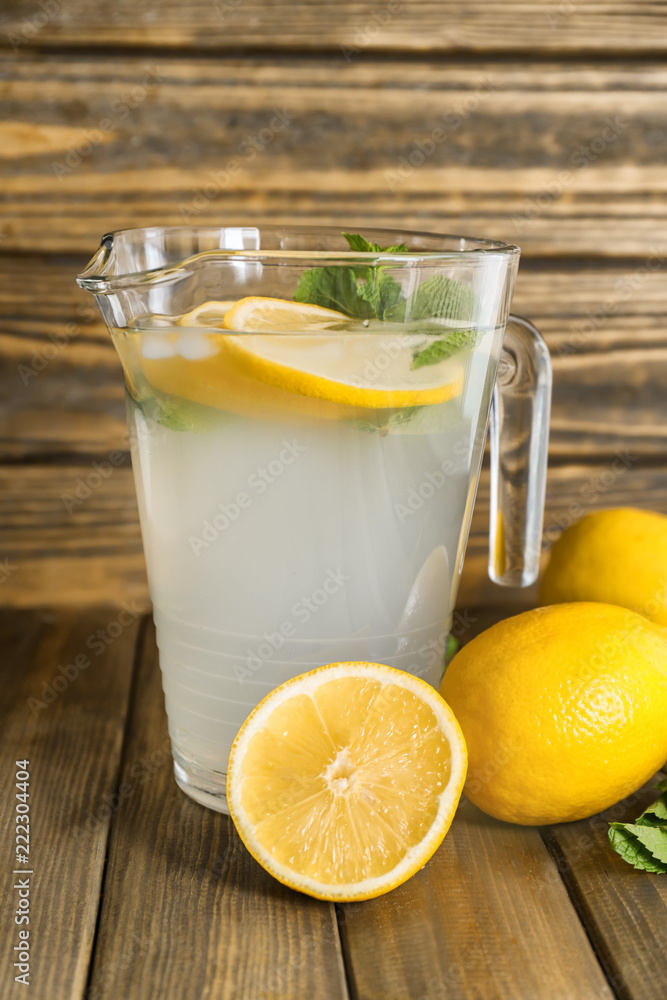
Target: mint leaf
{"x": 381, "y": 291}
{"x": 442, "y": 298}
{"x": 360, "y": 291}
{"x": 333, "y": 288}
{"x": 375, "y": 285}
{"x": 626, "y": 843}
{"x": 654, "y": 839}
{"x": 383, "y": 424}
{"x": 358, "y": 242}
{"x": 452, "y": 648}
{"x": 655, "y": 815}
{"x": 440, "y": 350}
{"x": 177, "y": 414}
{"x": 644, "y": 843}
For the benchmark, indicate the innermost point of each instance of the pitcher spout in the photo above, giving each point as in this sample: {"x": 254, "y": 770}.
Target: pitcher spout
{"x": 100, "y": 267}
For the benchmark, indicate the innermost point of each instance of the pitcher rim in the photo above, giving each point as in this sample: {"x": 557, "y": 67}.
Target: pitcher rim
{"x": 93, "y": 277}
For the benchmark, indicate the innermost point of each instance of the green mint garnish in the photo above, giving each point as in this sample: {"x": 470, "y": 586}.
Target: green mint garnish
{"x": 363, "y": 292}
{"x": 358, "y": 242}
{"x": 178, "y": 414}
{"x": 384, "y": 425}
{"x": 334, "y": 288}
{"x": 370, "y": 292}
{"x": 452, "y": 649}
{"x": 643, "y": 844}
{"x": 441, "y": 298}
{"x": 440, "y": 350}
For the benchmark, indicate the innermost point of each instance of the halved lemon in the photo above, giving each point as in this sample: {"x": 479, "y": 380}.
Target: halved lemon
{"x": 207, "y": 314}
{"x": 343, "y": 781}
{"x": 368, "y": 369}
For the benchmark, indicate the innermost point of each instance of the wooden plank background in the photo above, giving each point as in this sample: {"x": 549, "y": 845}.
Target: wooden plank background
{"x": 128, "y": 114}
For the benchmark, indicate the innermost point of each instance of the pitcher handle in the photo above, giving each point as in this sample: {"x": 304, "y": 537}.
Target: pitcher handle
{"x": 519, "y": 434}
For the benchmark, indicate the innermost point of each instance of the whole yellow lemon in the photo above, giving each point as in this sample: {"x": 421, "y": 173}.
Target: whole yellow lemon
{"x": 563, "y": 709}
{"x": 616, "y": 556}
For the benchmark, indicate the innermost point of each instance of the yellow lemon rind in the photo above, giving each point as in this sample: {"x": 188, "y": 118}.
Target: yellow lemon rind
{"x": 316, "y": 386}
{"x": 191, "y": 318}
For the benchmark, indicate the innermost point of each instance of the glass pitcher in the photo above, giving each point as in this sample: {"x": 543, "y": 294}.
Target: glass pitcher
{"x": 308, "y": 411}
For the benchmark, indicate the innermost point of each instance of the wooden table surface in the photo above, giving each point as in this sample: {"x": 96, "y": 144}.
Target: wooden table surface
{"x": 129, "y": 113}
{"x": 137, "y": 892}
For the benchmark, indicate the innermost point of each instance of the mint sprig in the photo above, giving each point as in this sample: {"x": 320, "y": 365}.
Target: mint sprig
{"x": 370, "y": 292}
{"x": 643, "y": 844}
{"x": 361, "y": 291}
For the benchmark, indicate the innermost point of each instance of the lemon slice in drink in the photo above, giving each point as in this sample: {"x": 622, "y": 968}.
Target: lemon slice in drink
{"x": 341, "y": 363}
{"x": 207, "y": 314}
{"x": 344, "y": 781}
{"x": 259, "y": 314}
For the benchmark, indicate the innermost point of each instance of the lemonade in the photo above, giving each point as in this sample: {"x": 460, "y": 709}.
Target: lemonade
{"x": 308, "y": 411}
{"x": 277, "y": 542}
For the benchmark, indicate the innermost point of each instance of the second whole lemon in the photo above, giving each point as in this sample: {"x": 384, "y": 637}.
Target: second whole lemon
{"x": 617, "y": 556}
{"x": 564, "y": 711}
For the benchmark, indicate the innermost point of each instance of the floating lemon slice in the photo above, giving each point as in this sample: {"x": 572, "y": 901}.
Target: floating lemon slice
{"x": 369, "y": 369}
{"x": 207, "y": 314}
{"x": 259, "y": 314}
{"x": 344, "y": 781}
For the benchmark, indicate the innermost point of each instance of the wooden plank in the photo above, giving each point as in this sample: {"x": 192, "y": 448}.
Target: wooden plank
{"x": 625, "y": 911}
{"x": 94, "y": 554}
{"x": 410, "y": 25}
{"x": 180, "y": 885}
{"x": 73, "y": 744}
{"x": 99, "y": 143}
{"x": 88, "y": 554}
{"x": 487, "y": 917}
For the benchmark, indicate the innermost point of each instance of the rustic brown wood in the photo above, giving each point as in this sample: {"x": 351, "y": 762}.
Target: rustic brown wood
{"x": 73, "y": 744}
{"x": 625, "y": 912}
{"x": 129, "y": 114}
{"x": 487, "y": 917}
{"x": 411, "y": 25}
{"x": 570, "y": 166}
{"x": 186, "y": 911}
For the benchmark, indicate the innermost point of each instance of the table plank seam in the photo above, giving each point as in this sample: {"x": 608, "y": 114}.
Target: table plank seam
{"x": 348, "y": 970}
{"x": 612, "y": 974}
{"x": 136, "y": 661}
